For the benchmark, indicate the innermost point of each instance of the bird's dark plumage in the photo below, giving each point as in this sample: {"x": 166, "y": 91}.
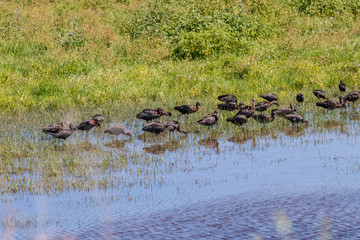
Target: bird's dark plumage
{"x": 187, "y": 109}
{"x": 319, "y": 94}
{"x": 352, "y": 96}
{"x": 284, "y": 110}
{"x": 161, "y": 127}
{"x": 150, "y": 114}
{"x": 248, "y": 111}
{"x": 64, "y": 134}
{"x": 238, "y": 119}
{"x": 227, "y": 98}
{"x": 342, "y": 87}
{"x": 330, "y": 105}
{"x": 263, "y": 106}
{"x": 269, "y": 97}
{"x": 210, "y": 119}
{"x": 230, "y": 106}
{"x": 295, "y": 118}
{"x": 54, "y": 128}
{"x": 87, "y": 125}
{"x": 300, "y": 98}
{"x": 262, "y": 118}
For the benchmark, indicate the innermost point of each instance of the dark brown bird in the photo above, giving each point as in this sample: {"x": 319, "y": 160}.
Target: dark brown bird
{"x": 99, "y": 118}
{"x": 320, "y": 94}
{"x": 238, "y": 119}
{"x": 161, "y": 127}
{"x": 64, "y": 134}
{"x": 269, "y": 97}
{"x": 150, "y": 114}
{"x": 352, "y": 96}
{"x": 262, "y": 118}
{"x": 172, "y": 126}
{"x": 342, "y": 87}
{"x": 54, "y": 128}
{"x": 87, "y": 125}
{"x": 248, "y": 111}
{"x": 284, "y": 110}
{"x": 263, "y": 106}
{"x": 300, "y": 98}
{"x": 117, "y": 131}
{"x": 227, "y": 98}
{"x": 331, "y": 105}
{"x": 295, "y": 118}
{"x": 187, "y": 109}
{"x": 230, "y": 106}
{"x": 210, "y": 119}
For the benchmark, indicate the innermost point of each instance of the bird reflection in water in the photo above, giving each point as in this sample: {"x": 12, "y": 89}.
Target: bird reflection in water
{"x": 211, "y": 143}
{"x": 295, "y": 131}
{"x": 170, "y": 146}
{"x": 117, "y": 143}
{"x": 243, "y": 139}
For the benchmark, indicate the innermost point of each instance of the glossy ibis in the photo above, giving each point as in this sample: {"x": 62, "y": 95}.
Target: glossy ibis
{"x": 87, "y": 125}
{"x": 263, "y": 106}
{"x": 248, "y": 111}
{"x": 54, "y": 128}
{"x": 269, "y": 97}
{"x": 230, "y": 106}
{"x": 150, "y": 114}
{"x": 99, "y": 118}
{"x": 342, "y": 87}
{"x": 227, "y": 98}
{"x": 331, "y": 105}
{"x": 300, "y": 98}
{"x": 262, "y": 118}
{"x": 161, "y": 127}
{"x": 171, "y": 126}
{"x": 187, "y": 109}
{"x": 64, "y": 134}
{"x": 284, "y": 110}
{"x": 295, "y": 118}
{"x": 352, "y": 96}
{"x": 117, "y": 131}
{"x": 320, "y": 94}
{"x": 210, "y": 119}
{"x": 238, "y": 119}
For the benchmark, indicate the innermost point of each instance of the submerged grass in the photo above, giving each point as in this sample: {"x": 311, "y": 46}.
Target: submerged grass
{"x": 34, "y": 162}
{"x": 55, "y": 57}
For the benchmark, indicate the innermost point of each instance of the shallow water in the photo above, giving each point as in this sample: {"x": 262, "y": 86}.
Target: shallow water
{"x": 292, "y": 183}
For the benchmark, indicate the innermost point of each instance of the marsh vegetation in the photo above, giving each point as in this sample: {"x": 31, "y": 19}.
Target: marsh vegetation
{"x": 68, "y": 60}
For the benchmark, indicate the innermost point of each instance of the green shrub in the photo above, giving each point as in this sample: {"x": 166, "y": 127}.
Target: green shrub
{"x": 198, "y": 29}
{"x": 201, "y": 44}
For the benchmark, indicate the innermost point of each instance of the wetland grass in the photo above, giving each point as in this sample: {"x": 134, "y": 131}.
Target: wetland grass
{"x": 32, "y": 162}
{"x": 63, "y": 59}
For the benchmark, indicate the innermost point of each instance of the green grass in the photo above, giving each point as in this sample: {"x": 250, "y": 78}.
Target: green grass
{"x": 76, "y": 54}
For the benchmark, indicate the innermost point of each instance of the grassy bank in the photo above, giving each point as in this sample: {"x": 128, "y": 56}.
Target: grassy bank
{"x": 61, "y": 54}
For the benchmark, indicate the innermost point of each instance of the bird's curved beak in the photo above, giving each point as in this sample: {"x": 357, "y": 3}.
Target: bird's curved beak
{"x": 296, "y": 106}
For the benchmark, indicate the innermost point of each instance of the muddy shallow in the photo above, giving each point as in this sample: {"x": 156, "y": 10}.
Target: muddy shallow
{"x": 288, "y": 182}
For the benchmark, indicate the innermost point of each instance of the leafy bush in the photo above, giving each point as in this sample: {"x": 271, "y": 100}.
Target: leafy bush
{"x": 201, "y": 44}
{"x": 203, "y": 26}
